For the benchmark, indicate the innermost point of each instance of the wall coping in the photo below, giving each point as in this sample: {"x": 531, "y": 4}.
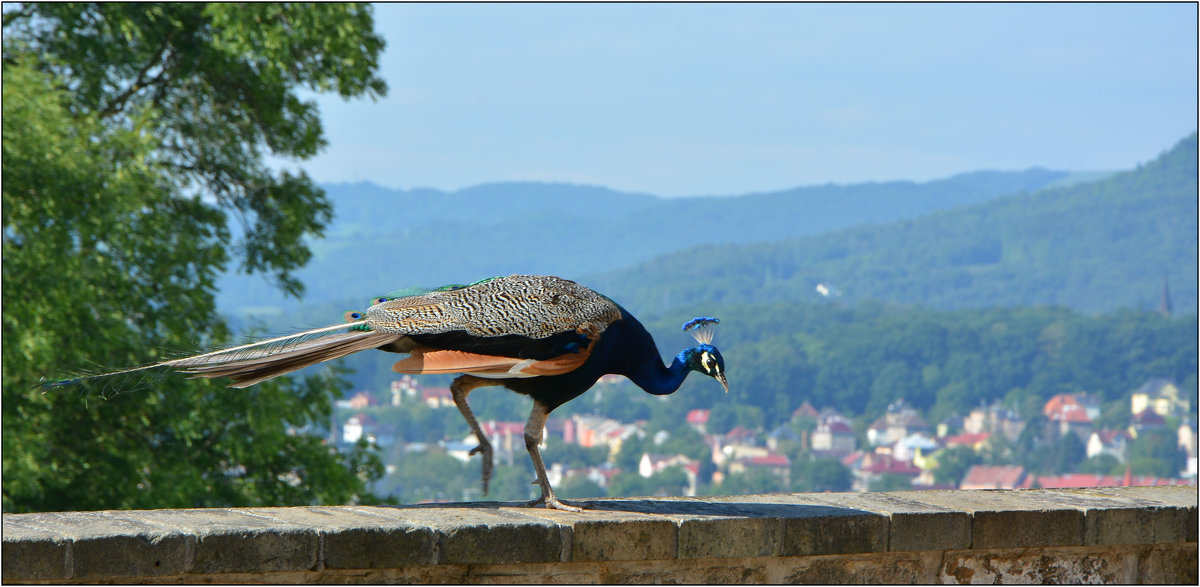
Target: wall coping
{"x": 182, "y": 543}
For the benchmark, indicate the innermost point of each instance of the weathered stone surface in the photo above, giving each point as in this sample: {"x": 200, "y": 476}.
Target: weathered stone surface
{"x": 914, "y": 526}
{"x": 1047, "y": 565}
{"x": 355, "y": 539}
{"x": 882, "y": 568}
{"x": 234, "y": 541}
{"x": 1008, "y": 519}
{"x": 715, "y": 527}
{"x": 1112, "y": 535}
{"x": 1162, "y": 564}
{"x": 615, "y": 530}
{"x": 1179, "y": 498}
{"x": 115, "y": 543}
{"x": 486, "y": 534}
{"x": 811, "y": 527}
{"x": 34, "y": 554}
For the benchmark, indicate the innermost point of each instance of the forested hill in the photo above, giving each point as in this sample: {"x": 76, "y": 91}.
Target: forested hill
{"x": 1094, "y": 247}
{"x": 382, "y": 239}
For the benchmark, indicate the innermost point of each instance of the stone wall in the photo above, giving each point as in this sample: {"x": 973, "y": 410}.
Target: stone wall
{"x": 1114, "y": 535}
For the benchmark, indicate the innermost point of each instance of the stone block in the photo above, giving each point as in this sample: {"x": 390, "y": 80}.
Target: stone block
{"x": 30, "y": 554}
{"x": 236, "y": 541}
{"x": 488, "y": 534}
{"x": 623, "y": 539}
{"x": 713, "y": 527}
{"x": 355, "y": 539}
{"x": 112, "y": 544}
{"x": 1182, "y": 499}
{"x": 1009, "y": 519}
{"x": 913, "y": 526}
{"x": 810, "y": 527}
{"x": 713, "y": 537}
{"x": 834, "y": 531}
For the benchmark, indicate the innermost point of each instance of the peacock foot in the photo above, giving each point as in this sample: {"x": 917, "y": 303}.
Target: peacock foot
{"x": 486, "y": 449}
{"x": 554, "y": 504}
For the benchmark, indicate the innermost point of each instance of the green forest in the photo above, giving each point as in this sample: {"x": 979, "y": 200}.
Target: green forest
{"x": 1096, "y": 247}
{"x": 498, "y": 229}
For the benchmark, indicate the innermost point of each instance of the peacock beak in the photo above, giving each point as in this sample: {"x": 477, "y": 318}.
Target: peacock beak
{"x": 724, "y": 383}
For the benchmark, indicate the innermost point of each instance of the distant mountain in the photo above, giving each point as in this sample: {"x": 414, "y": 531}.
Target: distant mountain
{"x": 1093, "y": 246}
{"x": 382, "y": 239}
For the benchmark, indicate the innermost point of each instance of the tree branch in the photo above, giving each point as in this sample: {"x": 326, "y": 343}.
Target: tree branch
{"x": 140, "y": 82}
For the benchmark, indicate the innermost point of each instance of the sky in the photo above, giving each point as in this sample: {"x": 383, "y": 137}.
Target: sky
{"x": 723, "y": 99}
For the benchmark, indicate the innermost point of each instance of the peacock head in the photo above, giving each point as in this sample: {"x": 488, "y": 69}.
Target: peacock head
{"x": 705, "y": 358}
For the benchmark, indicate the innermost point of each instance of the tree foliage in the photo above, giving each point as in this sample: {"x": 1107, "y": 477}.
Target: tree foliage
{"x": 132, "y": 134}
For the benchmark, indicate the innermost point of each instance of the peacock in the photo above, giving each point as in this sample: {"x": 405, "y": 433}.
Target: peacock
{"x": 542, "y": 336}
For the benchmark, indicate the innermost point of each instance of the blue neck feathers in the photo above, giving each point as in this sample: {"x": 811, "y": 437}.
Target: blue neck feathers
{"x": 660, "y": 380}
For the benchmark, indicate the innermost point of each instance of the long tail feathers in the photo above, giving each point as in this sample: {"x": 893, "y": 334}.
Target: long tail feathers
{"x": 266, "y": 364}
{"x": 259, "y": 361}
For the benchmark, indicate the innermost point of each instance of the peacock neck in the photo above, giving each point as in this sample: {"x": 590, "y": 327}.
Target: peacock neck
{"x": 659, "y": 379}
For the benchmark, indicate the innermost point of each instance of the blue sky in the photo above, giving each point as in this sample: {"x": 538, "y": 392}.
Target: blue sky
{"x": 698, "y": 99}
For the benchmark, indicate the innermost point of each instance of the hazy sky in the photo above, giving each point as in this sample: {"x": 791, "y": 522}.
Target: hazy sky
{"x": 697, "y": 99}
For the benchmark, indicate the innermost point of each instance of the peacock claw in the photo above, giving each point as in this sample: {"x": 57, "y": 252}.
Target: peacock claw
{"x": 486, "y": 449}
{"x": 554, "y": 504}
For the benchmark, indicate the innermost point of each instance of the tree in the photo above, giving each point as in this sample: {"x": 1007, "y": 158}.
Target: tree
{"x": 953, "y": 464}
{"x": 132, "y": 133}
{"x": 820, "y": 475}
{"x": 669, "y": 481}
{"x": 1071, "y": 452}
{"x": 891, "y": 482}
{"x": 753, "y": 480}
{"x": 1102, "y": 464}
{"x": 579, "y": 486}
{"x": 1156, "y": 453}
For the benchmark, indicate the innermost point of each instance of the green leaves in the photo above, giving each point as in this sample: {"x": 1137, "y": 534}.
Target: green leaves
{"x": 132, "y": 133}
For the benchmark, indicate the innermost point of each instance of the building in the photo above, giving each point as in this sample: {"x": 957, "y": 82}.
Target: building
{"x": 1088, "y": 480}
{"x": 1147, "y": 419}
{"x": 1108, "y": 442}
{"x": 655, "y": 463}
{"x": 698, "y": 420}
{"x": 806, "y": 411}
{"x": 1187, "y": 443}
{"x": 1067, "y": 414}
{"x": 356, "y": 427}
{"x": 404, "y": 389}
{"x": 362, "y": 400}
{"x": 437, "y": 397}
{"x": 994, "y": 477}
{"x": 975, "y": 440}
{"x": 874, "y": 465}
{"x": 1160, "y": 395}
{"x": 589, "y": 431}
{"x": 995, "y": 419}
{"x": 775, "y": 464}
{"x": 899, "y": 421}
{"x": 834, "y": 437}
{"x": 913, "y": 445}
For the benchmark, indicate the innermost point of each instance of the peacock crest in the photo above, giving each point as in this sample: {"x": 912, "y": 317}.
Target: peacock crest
{"x": 702, "y": 328}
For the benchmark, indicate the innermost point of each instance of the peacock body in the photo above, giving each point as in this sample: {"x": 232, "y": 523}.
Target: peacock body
{"x": 542, "y": 336}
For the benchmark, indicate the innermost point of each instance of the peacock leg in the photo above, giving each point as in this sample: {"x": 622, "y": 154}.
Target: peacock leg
{"x": 459, "y": 390}
{"x": 533, "y": 437}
